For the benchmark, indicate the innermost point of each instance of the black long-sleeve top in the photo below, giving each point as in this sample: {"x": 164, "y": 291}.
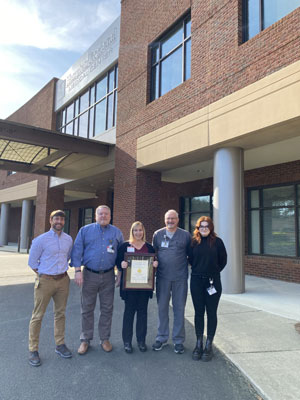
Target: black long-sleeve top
{"x": 208, "y": 261}
{"x": 120, "y": 257}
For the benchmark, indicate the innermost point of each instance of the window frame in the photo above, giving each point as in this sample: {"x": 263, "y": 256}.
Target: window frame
{"x": 157, "y": 44}
{"x": 183, "y": 213}
{"x": 61, "y": 115}
{"x": 261, "y": 20}
{"x": 261, "y": 209}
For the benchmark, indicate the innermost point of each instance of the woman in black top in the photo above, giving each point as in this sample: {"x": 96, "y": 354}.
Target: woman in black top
{"x": 136, "y": 301}
{"x": 207, "y": 257}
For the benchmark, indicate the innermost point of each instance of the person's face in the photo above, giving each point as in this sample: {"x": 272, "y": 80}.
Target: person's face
{"x": 138, "y": 232}
{"x": 103, "y": 216}
{"x": 171, "y": 220}
{"x": 204, "y": 229}
{"x": 57, "y": 223}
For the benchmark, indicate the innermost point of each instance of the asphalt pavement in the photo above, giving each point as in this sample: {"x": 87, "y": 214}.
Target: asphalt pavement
{"x": 152, "y": 375}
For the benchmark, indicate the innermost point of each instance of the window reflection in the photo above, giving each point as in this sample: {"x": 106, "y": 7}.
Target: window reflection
{"x": 171, "y": 59}
{"x": 94, "y": 111}
{"x": 100, "y": 117}
{"x": 171, "y": 71}
{"x": 83, "y": 125}
{"x": 84, "y": 101}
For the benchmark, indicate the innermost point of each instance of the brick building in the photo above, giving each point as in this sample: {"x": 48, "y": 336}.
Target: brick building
{"x": 208, "y": 122}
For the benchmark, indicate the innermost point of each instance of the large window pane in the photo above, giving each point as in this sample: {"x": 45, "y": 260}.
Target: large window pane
{"x": 274, "y": 10}
{"x": 101, "y": 88}
{"x": 110, "y": 103}
{"x": 115, "y": 108}
{"x": 172, "y": 40}
{"x": 278, "y": 196}
{"x": 83, "y": 125}
{"x": 111, "y": 80}
{"x": 117, "y": 76}
{"x": 84, "y": 101}
{"x": 255, "y": 232}
{"x": 91, "y": 124}
{"x": 69, "y": 129}
{"x": 92, "y": 101}
{"x": 171, "y": 71}
{"x": 100, "y": 117}
{"x": 201, "y": 203}
{"x": 279, "y": 232}
{"x": 253, "y": 18}
{"x": 70, "y": 112}
{"x": 155, "y": 83}
{"x": 187, "y": 59}
{"x": 187, "y": 28}
{"x": 254, "y": 199}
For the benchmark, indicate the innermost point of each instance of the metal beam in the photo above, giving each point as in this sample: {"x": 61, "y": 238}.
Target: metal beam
{"x": 23, "y": 167}
{"x": 46, "y": 138}
{"x": 47, "y": 160}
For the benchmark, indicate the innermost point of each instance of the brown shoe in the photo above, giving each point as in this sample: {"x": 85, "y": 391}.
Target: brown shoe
{"x": 106, "y": 346}
{"x": 83, "y": 348}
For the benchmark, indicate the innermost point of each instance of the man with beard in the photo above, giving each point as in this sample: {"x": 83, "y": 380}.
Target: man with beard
{"x": 48, "y": 258}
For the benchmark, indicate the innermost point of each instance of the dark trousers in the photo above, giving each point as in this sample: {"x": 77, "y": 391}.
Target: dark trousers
{"x": 203, "y": 302}
{"x": 135, "y": 302}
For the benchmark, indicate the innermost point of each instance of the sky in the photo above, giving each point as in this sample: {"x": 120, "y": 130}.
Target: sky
{"x": 41, "y": 39}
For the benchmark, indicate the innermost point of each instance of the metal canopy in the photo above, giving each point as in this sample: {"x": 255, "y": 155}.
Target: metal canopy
{"x": 25, "y": 148}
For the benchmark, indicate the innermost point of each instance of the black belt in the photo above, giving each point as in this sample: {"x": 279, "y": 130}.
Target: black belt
{"x": 99, "y": 272}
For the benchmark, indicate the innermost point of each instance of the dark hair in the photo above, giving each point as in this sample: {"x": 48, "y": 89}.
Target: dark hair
{"x": 197, "y": 237}
{"x": 57, "y": 213}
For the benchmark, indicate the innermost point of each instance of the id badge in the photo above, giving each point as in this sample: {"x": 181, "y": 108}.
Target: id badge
{"x": 165, "y": 242}
{"x": 211, "y": 290}
{"x": 110, "y": 249}
{"x": 37, "y": 282}
{"x": 130, "y": 249}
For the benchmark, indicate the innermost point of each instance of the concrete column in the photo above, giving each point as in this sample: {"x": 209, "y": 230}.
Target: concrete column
{"x": 228, "y": 202}
{"x": 5, "y": 208}
{"x": 25, "y": 230}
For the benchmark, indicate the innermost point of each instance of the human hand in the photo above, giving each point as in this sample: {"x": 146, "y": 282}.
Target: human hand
{"x": 118, "y": 279}
{"x": 124, "y": 264}
{"x": 78, "y": 278}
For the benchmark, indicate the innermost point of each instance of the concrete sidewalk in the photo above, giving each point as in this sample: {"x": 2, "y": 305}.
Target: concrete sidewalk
{"x": 256, "y": 330}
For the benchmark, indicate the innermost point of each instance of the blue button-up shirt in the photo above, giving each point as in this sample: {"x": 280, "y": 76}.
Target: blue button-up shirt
{"x": 96, "y": 247}
{"x": 50, "y": 252}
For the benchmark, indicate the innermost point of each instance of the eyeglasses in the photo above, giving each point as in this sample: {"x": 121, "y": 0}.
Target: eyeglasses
{"x": 203, "y": 227}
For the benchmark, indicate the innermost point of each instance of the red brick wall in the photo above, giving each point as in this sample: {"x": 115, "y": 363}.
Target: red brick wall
{"x": 221, "y": 64}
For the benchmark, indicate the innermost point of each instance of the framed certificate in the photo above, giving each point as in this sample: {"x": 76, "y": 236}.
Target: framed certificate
{"x": 139, "y": 275}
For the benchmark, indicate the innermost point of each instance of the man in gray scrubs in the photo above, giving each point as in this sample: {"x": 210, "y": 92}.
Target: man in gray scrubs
{"x": 172, "y": 244}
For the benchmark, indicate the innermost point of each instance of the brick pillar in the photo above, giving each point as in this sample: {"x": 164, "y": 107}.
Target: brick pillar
{"x": 136, "y": 196}
{"x": 47, "y": 200}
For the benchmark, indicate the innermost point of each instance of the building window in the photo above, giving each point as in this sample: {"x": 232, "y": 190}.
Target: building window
{"x": 94, "y": 111}
{"x": 274, "y": 220}
{"x": 193, "y": 208}
{"x": 259, "y": 14}
{"x": 171, "y": 58}
{"x": 86, "y": 216}
{"x": 66, "y": 228}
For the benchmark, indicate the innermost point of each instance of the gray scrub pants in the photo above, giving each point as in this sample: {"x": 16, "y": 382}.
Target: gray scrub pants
{"x": 164, "y": 290}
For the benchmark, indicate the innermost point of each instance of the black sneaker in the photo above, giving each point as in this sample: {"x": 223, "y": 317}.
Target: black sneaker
{"x": 63, "y": 351}
{"x": 178, "y": 348}
{"x": 128, "y": 348}
{"x": 34, "y": 359}
{"x": 142, "y": 346}
{"x": 158, "y": 345}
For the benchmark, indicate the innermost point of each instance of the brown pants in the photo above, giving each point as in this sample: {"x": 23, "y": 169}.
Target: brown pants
{"x": 102, "y": 285}
{"x": 46, "y": 288}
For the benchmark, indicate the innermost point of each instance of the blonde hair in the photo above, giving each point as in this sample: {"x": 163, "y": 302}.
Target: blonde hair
{"x": 131, "y": 236}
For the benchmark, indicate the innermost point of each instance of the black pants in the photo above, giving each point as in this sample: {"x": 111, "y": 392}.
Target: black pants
{"x": 135, "y": 302}
{"x": 203, "y": 302}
